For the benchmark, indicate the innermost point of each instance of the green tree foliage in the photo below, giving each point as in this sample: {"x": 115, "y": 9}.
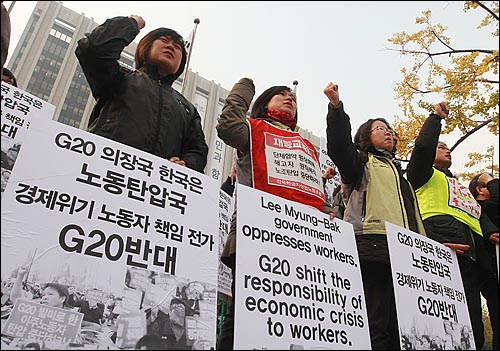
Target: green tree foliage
{"x": 466, "y": 77}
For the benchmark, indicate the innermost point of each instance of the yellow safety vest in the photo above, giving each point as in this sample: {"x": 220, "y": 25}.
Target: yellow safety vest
{"x": 443, "y": 195}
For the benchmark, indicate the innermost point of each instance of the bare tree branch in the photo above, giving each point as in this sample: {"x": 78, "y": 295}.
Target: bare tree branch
{"x": 418, "y": 91}
{"x": 469, "y": 133}
{"x": 488, "y": 81}
{"x": 442, "y": 42}
{"x": 486, "y": 9}
{"x": 462, "y": 51}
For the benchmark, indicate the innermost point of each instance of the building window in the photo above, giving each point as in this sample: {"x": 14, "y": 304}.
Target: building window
{"x": 76, "y": 99}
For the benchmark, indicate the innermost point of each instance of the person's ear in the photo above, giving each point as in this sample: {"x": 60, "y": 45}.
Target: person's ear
{"x": 481, "y": 190}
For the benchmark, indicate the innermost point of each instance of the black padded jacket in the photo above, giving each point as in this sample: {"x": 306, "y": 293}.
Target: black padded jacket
{"x": 139, "y": 107}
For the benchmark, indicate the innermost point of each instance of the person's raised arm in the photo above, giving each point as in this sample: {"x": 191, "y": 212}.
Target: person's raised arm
{"x": 419, "y": 169}
{"x": 99, "y": 51}
{"x": 16, "y": 291}
{"x": 340, "y": 147}
{"x": 232, "y": 127}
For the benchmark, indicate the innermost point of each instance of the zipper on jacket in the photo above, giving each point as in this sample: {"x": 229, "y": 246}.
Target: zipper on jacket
{"x": 400, "y": 194}
{"x": 158, "y": 120}
{"x": 363, "y": 209}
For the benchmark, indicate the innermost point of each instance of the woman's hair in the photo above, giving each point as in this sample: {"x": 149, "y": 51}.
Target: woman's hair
{"x": 259, "y": 109}
{"x": 144, "y": 46}
{"x": 473, "y": 184}
{"x": 362, "y": 139}
{"x": 62, "y": 290}
{"x": 9, "y": 74}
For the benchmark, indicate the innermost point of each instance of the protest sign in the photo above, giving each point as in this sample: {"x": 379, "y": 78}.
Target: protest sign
{"x": 298, "y": 280}
{"x": 89, "y": 211}
{"x": 19, "y": 108}
{"x": 430, "y": 299}
{"x": 216, "y": 155}
{"x": 34, "y": 321}
{"x": 226, "y": 207}
{"x": 325, "y": 161}
{"x": 130, "y": 328}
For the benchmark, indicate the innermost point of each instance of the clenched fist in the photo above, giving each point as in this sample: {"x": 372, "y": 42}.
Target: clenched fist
{"x": 332, "y": 92}
{"x": 441, "y": 110}
{"x": 140, "y": 21}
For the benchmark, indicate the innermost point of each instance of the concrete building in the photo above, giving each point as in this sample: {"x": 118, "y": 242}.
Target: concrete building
{"x": 45, "y": 65}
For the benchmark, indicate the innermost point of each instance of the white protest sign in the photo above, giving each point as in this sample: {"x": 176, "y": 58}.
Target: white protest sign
{"x": 130, "y": 328}
{"x": 215, "y": 162}
{"x": 32, "y": 320}
{"x": 430, "y": 299}
{"x": 298, "y": 280}
{"x": 89, "y": 209}
{"x": 325, "y": 161}
{"x": 226, "y": 207}
{"x": 19, "y": 108}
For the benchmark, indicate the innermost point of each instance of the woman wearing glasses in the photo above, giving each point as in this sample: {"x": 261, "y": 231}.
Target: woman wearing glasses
{"x": 375, "y": 192}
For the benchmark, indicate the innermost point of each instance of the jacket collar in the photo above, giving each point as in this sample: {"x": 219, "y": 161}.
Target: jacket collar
{"x": 380, "y": 152}
{"x": 152, "y": 72}
{"x": 445, "y": 171}
{"x": 387, "y": 154}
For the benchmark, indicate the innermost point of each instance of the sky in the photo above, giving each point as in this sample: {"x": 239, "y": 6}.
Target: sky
{"x": 313, "y": 42}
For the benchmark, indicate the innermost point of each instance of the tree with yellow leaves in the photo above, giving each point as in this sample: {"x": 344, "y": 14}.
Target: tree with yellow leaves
{"x": 486, "y": 160}
{"x": 467, "y": 78}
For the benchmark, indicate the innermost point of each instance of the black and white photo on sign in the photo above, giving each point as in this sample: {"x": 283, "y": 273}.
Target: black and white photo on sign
{"x": 325, "y": 161}
{"x": 18, "y": 109}
{"x": 430, "y": 298}
{"x": 131, "y": 238}
{"x": 10, "y": 149}
{"x": 226, "y": 206}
